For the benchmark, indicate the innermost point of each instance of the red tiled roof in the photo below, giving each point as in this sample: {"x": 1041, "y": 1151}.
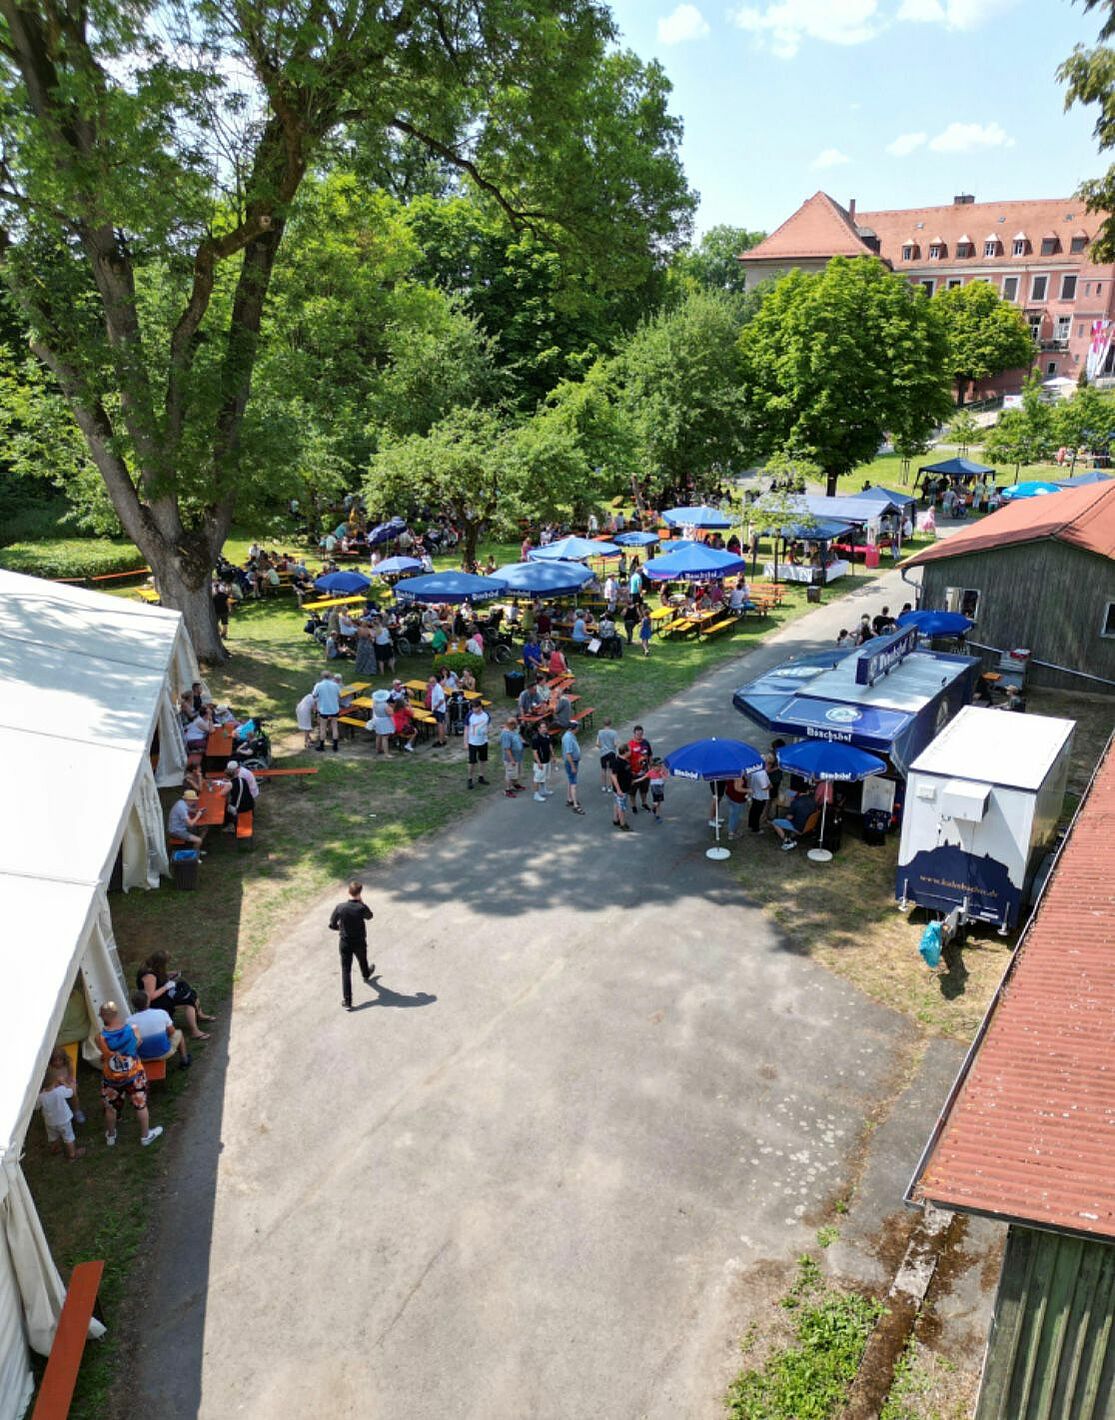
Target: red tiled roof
{"x": 1083, "y": 517}
{"x": 1030, "y": 1132}
{"x": 1061, "y": 217}
{"x": 819, "y": 228}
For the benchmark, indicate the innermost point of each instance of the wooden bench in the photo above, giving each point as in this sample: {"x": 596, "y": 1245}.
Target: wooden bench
{"x": 155, "y": 1069}
{"x": 56, "y": 1389}
{"x": 149, "y": 595}
{"x": 714, "y": 628}
{"x": 245, "y": 830}
{"x": 279, "y": 773}
{"x": 353, "y": 723}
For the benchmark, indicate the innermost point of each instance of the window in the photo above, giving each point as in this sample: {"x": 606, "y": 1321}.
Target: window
{"x": 964, "y": 249}
{"x": 1019, "y": 247}
{"x": 965, "y": 600}
{"x": 1068, "y": 288}
{"x": 1010, "y": 288}
{"x": 1108, "y": 620}
{"x": 936, "y": 251}
{"x": 991, "y": 246}
{"x": 908, "y": 252}
{"x": 1038, "y": 288}
{"x": 1051, "y": 368}
{"x": 1063, "y": 328}
{"x": 955, "y": 281}
{"x": 929, "y": 286}
{"x": 1049, "y": 246}
{"x": 1080, "y": 330}
{"x": 1079, "y": 243}
{"x": 1035, "y": 328}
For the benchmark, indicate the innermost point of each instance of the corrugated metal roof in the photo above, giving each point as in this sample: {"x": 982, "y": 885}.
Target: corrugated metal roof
{"x": 1083, "y": 517}
{"x": 1029, "y": 1133}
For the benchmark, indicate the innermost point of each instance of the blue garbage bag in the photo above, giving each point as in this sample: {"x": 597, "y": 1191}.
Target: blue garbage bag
{"x": 931, "y": 944}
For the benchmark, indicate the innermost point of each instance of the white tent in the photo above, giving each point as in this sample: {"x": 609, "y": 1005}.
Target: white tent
{"x": 87, "y": 682}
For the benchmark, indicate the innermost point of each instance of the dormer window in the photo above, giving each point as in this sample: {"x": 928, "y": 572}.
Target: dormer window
{"x": 964, "y": 247}
{"x": 1079, "y": 242}
{"x": 936, "y": 249}
{"x": 1050, "y": 244}
{"x": 1020, "y": 245}
{"x": 909, "y": 251}
{"x": 991, "y": 246}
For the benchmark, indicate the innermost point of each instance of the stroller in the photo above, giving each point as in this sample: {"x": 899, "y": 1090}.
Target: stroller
{"x": 254, "y": 750}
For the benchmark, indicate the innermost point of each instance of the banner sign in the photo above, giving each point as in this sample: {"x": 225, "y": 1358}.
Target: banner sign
{"x": 889, "y": 651}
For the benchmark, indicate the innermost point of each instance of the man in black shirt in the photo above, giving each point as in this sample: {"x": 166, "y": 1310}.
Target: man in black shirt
{"x": 348, "y": 919}
{"x": 621, "y": 787}
{"x": 542, "y": 754}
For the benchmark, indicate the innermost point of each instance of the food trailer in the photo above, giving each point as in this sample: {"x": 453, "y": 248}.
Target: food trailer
{"x": 982, "y": 806}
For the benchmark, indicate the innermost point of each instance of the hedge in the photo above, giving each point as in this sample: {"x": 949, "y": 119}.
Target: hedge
{"x": 72, "y": 557}
{"x": 458, "y": 661}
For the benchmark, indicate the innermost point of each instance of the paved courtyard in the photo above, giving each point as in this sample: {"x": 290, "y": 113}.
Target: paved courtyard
{"x": 592, "y": 1094}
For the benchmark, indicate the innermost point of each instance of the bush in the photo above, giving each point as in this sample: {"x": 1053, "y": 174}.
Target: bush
{"x": 460, "y": 660}
{"x": 72, "y": 557}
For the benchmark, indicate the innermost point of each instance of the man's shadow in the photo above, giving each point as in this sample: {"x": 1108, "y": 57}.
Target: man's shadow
{"x": 386, "y": 997}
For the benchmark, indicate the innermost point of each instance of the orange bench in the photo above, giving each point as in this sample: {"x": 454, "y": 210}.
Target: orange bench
{"x": 56, "y": 1389}
{"x": 245, "y": 830}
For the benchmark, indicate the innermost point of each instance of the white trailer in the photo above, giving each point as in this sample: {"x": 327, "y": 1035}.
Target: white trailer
{"x": 982, "y": 804}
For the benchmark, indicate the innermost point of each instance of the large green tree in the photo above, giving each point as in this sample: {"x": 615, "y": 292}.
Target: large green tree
{"x": 153, "y": 158}
{"x": 681, "y": 389}
{"x": 1089, "y": 78}
{"x": 1025, "y": 435}
{"x": 1085, "y": 420}
{"x": 834, "y": 360}
{"x": 714, "y": 261}
{"x": 986, "y": 334}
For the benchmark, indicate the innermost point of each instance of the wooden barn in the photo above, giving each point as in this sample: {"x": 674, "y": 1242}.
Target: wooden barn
{"x": 1038, "y": 573}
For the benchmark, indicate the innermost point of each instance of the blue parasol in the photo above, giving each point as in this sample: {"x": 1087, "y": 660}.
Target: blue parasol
{"x": 636, "y": 539}
{"x": 694, "y": 563}
{"x": 829, "y": 760}
{"x": 937, "y": 623}
{"x": 1036, "y": 488}
{"x": 342, "y": 583}
{"x": 573, "y": 549}
{"x": 385, "y": 532}
{"x": 699, "y": 517}
{"x": 552, "y": 579}
{"x": 449, "y": 587}
{"x": 713, "y": 760}
{"x": 396, "y": 566}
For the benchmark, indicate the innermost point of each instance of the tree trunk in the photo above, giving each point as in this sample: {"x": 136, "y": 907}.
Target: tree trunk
{"x": 830, "y": 484}
{"x": 183, "y": 585}
{"x": 471, "y": 535}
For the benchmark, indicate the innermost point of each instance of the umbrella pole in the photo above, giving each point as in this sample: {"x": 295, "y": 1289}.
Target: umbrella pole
{"x": 717, "y": 852}
{"x": 821, "y": 854}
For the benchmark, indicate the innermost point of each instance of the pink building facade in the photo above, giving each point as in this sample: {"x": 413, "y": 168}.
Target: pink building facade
{"x": 1036, "y": 255}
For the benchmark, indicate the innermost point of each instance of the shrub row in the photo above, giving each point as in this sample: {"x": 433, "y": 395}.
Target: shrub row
{"x": 72, "y": 557}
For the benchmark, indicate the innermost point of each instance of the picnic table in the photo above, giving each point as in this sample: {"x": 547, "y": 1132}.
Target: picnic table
{"x": 220, "y": 743}
{"x": 334, "y": 601}
{"x": 211, "y": 802}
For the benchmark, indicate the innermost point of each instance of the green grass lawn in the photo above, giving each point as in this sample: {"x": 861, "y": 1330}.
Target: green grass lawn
{"x": 886, "y": 471}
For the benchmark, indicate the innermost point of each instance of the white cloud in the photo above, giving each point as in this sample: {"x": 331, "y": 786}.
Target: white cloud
{"x": 830, "y": 158}
{"x": 783, "y": 24}
{"x": 953, "y": 14}
{"x": 905, "y": 144}
{"x": 686, "y": 22}
{"x": 970, "y": 138}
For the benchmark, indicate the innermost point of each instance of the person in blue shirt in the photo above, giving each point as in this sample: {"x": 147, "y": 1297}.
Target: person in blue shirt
{"x": 571, "y": 759}
{"x": 580, "y": 630}
{"x": 327, "y": 698}
{"x": 532, "y": 655}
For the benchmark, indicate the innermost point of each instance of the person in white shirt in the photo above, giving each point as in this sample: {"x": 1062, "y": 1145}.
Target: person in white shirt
{"x": 234, "y": 768}
{"x": 304, "y": 718}
{"x": 476, "y": 737}
{"x": 435, "y": 699}
{"x": 738, "y": 597}
{"x": 611, "y": 590}
{"x": 155, "y": 1027}
{"x": 58, "y": 1117}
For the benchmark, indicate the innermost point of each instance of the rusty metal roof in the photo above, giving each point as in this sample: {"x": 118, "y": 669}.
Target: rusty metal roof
{"x": 1028, "y": 1133}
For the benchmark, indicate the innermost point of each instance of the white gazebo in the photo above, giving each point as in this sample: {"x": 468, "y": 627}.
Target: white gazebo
{"x": 88, "y": 730}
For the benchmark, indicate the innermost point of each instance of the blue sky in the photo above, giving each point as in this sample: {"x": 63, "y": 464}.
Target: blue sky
{"x": 897, "y": 103}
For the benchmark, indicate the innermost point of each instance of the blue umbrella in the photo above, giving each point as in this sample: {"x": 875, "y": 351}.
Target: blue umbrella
{"x": 573, "y": 549}
{"x": 937, "y": 623}
{"x": 449, "y": 587}
{"x": 713, "y": 760}
{"x": 700, "y": 517}
{"x": 396, "y": 566}
{"x": 384, "y": 532}
{"x": 342, "y": 583}
{"x": 1036, "y": 488}
{"x": 829, "y": 760}
{"x": 636, "y": 539}
{"x": 552, "y": 579}
{"x": 694, "y": 563}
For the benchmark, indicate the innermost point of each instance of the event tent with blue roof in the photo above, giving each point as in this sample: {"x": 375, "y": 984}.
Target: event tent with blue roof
{"x": 956, "y": 468}
{"x": 885, "y": 500}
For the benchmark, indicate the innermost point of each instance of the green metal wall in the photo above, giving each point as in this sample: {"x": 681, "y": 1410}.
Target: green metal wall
{"x": 1051, "y": 1354}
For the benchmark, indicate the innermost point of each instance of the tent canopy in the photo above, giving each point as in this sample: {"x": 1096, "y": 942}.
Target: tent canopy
{"x": 699, "y": 516}
{"x": 957, "y": 468}
{"x": 887, "y": 500}
{"x": 449, "y": 587}
{"x": 1082, "y": 480}
{"x": 696, "y": 563}
{"x": 816, "y": 530}
{"x": 573, "y": 549}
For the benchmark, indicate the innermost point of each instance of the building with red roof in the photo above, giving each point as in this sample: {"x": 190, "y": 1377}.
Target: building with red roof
{"x": 1036, "y": 254}
{"x": 1040, "y": 574}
